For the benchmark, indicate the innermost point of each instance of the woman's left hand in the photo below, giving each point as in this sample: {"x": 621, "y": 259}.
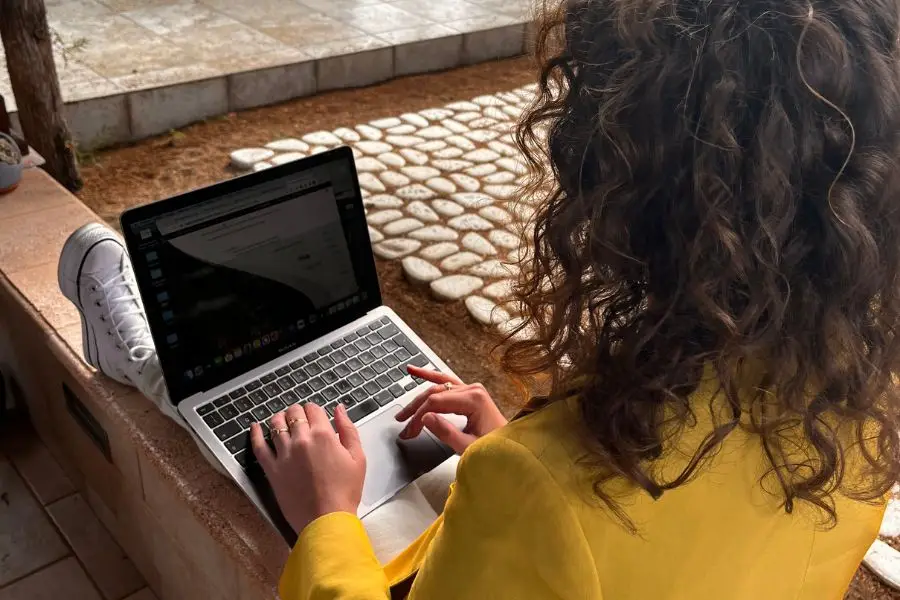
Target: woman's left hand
{"x": 312, "y": 471}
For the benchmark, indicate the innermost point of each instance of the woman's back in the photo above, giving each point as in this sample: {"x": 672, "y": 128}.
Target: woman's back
{"x": 718, "y": 536}
{"x": 720, "y": 199}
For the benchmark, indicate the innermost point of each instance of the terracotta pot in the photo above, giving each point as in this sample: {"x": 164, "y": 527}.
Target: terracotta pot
{"x": 10, "y": 173}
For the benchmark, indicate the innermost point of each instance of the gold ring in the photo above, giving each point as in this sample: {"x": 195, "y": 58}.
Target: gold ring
{"x": 291, "y": 422}
{"x": 448, "y": 385}
{"x": 281, "y": 430}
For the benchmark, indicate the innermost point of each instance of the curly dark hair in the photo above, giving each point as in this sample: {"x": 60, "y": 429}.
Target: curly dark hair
{"x": 719, "y": 185}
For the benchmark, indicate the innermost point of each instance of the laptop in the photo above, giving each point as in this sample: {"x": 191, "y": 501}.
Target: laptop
{"x": 261, "y": 292}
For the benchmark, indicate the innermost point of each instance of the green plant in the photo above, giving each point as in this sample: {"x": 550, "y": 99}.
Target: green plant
{"x": 85, "y": 157}
{"x": 67, "y": 50}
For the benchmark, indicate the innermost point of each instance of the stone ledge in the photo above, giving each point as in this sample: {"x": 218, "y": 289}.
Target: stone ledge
{"x": 118, "y": 114}
{"x": 189, "y": 530}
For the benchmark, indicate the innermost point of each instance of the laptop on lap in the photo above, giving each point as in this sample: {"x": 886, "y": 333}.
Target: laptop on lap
{"x": 261, "y": 292}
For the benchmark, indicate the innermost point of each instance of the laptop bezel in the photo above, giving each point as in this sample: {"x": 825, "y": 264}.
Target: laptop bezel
{"x": 159, "y": 208}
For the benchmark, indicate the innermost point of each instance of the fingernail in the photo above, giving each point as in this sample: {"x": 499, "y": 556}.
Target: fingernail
{"x": 404, "y": 434}
{"x": 341, "y": 409}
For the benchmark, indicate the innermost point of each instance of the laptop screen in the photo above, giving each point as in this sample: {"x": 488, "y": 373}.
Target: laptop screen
{"x": 231, "y": 280}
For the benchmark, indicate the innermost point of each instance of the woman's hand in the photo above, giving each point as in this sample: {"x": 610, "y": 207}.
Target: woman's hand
{"x": 312, "y": 471}
{"x": 450, "y": 396}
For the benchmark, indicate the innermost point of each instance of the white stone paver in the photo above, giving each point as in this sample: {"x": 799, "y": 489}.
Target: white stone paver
{"x": 368, "y": 181}
{"x": 481, "y": 170}
{"x": 421, "y": 173}
{"x": 438, "y": 251}
{"x": 435, "y": 233}
{"x": 422, "y": 211}
{"x": 386, "y": 123}
{"x": 414, "y": 119}
{"x": 442, "y": 191}
{"x": 450, "y": 164}
{"x": 476, "y": 243}
{"x": 495, "y": 214}
{"x": 486, "y": 312}
{"x": 346, "y": 135}
{"x": 416, "y": 191}
{"x": 500, "y": 177}
{"x": 394, "y": 179}
{"x": 416, "y": 157}
{"x": 321, "y": 138}
{"x": 472, "y": 200}
{"x": 404, "y": 129}
{"x": 402, "y": 226}
{"x": 882, "y": 559}
{"x": 288, "y": 145}
{"x": 503, "y": 192}
{"x": 504, "y": 239}
{"x": 470, "y": 223}
{"x": 441, "y": 185}
{"x": 432, "y": 146}
{"x": 245, "y": 158}
{"x": 383, "y": 201}
{"x": 373, "y": 147}
{"x": 280, "y": 159}
{"x": 466, "y": 182}
{"x": 460, "y": 261}
{"x": 396, "y": 248}
{"x": 447, "y": 208}
{"x": 499, "y": 291}
{"x": 419, "y": 270}
{"x": 367, "y": 163}
{"x": 445, "y": 152}
{"x": 454, "y": 287}
{"x": 375, "y": 235}
{"x": 383, "y": 217}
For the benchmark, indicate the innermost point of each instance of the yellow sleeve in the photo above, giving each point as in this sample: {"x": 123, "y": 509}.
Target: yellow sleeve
{"x": 508, "y": 533}
{"x": 333, "y": 560}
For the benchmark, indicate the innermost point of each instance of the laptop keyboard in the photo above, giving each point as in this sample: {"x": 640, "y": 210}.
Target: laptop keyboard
{"x": 364, "y": 371}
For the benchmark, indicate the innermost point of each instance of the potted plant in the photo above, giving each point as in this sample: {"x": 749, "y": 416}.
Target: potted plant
{"x": 10, "y": 164}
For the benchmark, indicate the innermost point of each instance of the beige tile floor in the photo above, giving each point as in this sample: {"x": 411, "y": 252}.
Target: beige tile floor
{"x": 104, "y": 47}
{"x": 51, "y": 544}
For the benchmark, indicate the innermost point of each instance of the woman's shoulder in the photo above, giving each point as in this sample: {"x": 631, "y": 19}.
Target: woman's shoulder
{"x": 527, "y": 457}
{"x": 548, "y": 438}
{"x": 547, "y": 420}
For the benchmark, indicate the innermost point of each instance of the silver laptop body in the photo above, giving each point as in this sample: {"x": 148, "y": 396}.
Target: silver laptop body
{"x": 261, "y": 292}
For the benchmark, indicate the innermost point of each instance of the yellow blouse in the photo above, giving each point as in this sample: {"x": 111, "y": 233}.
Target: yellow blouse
{"x": 521, "y": 523}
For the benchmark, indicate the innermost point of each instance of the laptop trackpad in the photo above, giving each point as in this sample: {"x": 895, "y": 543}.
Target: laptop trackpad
{"x": 392, "y": 464}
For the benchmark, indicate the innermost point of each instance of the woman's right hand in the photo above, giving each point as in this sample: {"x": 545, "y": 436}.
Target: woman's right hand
{"x": 450, "y": 396}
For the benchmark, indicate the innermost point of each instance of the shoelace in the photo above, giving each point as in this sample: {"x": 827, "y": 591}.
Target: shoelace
{"x": 117, "y": 292}
{"x": 122, "y": 306}
{"x": 122, "y": 302}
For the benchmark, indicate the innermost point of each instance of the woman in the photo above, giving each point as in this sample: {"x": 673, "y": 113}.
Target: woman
{"x": 714, "y": 295}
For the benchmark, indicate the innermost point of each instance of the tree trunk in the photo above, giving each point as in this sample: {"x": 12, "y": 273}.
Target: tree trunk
{"x": 32, "y": 73}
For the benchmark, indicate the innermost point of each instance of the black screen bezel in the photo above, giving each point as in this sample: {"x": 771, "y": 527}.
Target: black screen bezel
{"x": 367, "y": 277}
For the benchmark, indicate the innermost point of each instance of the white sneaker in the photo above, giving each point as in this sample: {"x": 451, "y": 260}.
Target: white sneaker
{"x": 95, "y": 273}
